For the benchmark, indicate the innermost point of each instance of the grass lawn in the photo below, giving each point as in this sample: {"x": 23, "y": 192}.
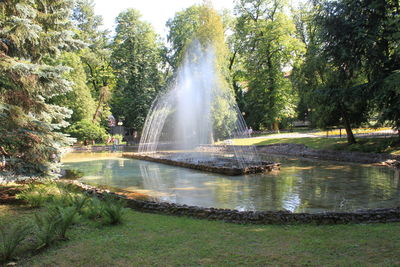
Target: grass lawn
{"x": 159, "y": 240}
{"x": 375, "y": 145}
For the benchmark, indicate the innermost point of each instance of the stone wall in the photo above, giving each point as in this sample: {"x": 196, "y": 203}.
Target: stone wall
{"x": 227, "y": 170}
{"x": 254, "y": 217}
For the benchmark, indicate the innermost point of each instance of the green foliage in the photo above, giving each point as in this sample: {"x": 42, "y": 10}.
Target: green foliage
{"x": 87, "y": 130}
{"x": 79, "y": 201}
{"x": 113, "y": 210}
{"x": 79, "y": 99}
{"x": 201, "y": 26}
{"x": 266, "y": 44}
{"x": 10, "y": 237}
{"x": 136, "y": 58}
{"x": 46, "y": 229}
{"x": 95, "y": 58}
{"x": 94, "y": 209}
{"x": 72, "y": 174}
{"x": 35, "y": 195}
{"x": 29, "y": 123}
{"x": 182, "y": 29}
{"x": 65, "y": 216}
{"x": 108, "y": 211}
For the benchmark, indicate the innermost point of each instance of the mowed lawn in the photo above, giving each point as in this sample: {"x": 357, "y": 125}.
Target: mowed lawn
{"x": 160, "y": 240}
{"x": 371, "y": 145}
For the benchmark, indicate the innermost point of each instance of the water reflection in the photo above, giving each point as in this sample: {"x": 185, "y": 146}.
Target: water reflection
{"x": 300, "y": 185}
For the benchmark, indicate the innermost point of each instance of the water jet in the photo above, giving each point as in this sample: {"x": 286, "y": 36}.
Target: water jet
{"x": 198, "y": 109}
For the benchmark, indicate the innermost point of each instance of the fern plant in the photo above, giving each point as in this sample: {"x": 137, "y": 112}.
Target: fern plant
{"x": 94, "y": 209}
{"x": 78, "y": 201}
{"x": 35, "y": 195}
{"x": 47, "y": 228}
{"x": 113, "y": 210}
{"x": 11, "y": 238}
{"x": 65, "y": 217}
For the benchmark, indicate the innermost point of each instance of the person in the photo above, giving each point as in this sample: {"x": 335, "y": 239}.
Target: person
{"x": 3, "y": 154}
{"x": 250, "y": 131}
{"x": 115, "y": 143}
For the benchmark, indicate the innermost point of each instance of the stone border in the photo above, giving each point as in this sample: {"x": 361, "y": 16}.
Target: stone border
{"x": 265, "y": 167}
{"x": 384, "y": 215}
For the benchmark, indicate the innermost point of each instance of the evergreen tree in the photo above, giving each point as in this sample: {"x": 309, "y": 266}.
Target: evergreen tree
{"x": 30, "y": 32}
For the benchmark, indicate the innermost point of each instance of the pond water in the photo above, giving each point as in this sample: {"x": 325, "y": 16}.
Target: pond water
{"x": 300, "y": 186}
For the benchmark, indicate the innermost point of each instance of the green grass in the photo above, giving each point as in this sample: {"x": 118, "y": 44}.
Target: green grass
{"x": 159, "y": 240}
{"x": 373, "y": 145}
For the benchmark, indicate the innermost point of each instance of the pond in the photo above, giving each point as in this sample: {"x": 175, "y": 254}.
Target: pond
{"x": 300, "y": 186}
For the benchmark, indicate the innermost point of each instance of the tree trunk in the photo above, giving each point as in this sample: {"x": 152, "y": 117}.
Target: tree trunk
{"x": 347, "y": 126}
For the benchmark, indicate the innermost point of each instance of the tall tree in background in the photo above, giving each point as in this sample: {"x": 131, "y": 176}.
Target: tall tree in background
{"x": 29, "y": 124}
{"x": 181, "y": 30}
{"x": 359, "y": 41}
{"x": 96, "y": 57}
{"x": 136, "y": 59}
{"x": 319, "y": 81}
{"x": 269, "y": 46}
{"x": 204, "y": 25}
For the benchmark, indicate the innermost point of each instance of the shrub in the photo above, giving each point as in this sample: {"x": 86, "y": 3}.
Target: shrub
{"x": 35, "y": 195}
{"x": 11, "y": 238}
{"x": 72, "y": 174}
{"x": 87, "y": 130}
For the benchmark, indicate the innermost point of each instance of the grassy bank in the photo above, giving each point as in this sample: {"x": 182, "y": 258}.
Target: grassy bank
{"x": 371, "y": 145}
{"x": 158, "y": 240}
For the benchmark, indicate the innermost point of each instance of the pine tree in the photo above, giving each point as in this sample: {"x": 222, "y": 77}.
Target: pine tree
{"x": 30, "y": 32}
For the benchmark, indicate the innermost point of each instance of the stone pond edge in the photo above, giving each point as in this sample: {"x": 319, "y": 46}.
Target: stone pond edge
{"x": 382, "y": 215}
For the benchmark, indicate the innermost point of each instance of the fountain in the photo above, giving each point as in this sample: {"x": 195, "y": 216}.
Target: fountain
{"x": 198, "y": 110}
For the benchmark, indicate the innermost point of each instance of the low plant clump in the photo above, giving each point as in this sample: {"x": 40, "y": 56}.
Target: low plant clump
{"x": 60, "y": 206}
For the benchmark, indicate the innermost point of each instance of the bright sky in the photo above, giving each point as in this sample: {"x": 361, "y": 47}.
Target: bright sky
{"x": 157, "y": 12}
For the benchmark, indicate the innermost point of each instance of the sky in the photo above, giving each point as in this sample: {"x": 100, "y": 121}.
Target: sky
{"x": 157, "y": 12}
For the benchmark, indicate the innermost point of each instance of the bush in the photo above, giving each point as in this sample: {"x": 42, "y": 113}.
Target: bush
{"x": 72, "y": 174}
{"x": 11, "y": 238}
{"x": 87, "y": 130}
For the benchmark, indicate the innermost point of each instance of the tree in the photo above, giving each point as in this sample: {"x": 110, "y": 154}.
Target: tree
{"x": 181, "y": 30}
{"x": 136, "y": 59}
{"x": 201, "y": 26}
{"x": 79, "y": 100}
{"x": 269, "y": 47}
{"x": 29, "y": 124}
{"x": 360, "y": 40}
{"x": 96, "y": 57}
